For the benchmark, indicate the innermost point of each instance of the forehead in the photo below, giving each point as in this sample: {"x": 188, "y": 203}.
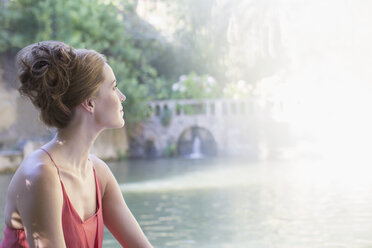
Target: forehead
{"x": 108, "y": 74}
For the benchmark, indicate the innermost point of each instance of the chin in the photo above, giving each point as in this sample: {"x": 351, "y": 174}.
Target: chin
{"x": 121, "y": 124}
{"x": 118, "y": 124}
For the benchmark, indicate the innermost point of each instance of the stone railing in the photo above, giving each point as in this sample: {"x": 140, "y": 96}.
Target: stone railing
{"x": 206, "y": 107}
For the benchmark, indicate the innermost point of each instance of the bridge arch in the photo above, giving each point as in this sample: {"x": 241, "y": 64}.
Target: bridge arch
{"x": 196, "y": 139}
{"x": 233, "y": 126}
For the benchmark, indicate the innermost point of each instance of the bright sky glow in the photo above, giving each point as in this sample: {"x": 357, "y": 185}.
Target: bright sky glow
{"x": 327, "y": 89}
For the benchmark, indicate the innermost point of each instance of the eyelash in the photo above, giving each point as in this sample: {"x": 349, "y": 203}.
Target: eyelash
{"x": 115, "y": 87}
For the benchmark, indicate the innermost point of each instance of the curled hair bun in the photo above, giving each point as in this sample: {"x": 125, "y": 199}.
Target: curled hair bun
{"x": 47, "y": 73}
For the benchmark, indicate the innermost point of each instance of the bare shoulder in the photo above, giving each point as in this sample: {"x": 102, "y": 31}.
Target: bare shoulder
{"x": 36, "y": 174}
{"x": 103, "y": 171}
{"x": 35, "y": 181}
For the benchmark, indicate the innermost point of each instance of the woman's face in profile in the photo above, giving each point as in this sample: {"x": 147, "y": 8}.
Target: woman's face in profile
{"x": 108, "y": 108}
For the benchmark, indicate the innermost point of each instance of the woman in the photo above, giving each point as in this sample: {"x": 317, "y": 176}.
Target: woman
{"x": 61, "y": 195}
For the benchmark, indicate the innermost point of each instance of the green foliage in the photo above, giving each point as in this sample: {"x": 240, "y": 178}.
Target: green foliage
{"x": 170, "y": 150}
{"x": 166, "y": 117}
{"x": 91, "y": 24}
{"x": 193, "y": 86}
{"x": 160, "y": 89}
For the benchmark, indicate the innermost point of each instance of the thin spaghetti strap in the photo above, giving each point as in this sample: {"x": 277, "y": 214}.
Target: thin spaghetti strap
{"x": 52, "y": 161}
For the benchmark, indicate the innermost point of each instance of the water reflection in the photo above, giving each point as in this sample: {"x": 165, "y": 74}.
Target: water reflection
{"x": 230, "y": 203}
{"x": 263, "y": 204}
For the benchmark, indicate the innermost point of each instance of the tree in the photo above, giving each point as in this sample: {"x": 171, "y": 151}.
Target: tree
{"x": 231, "y": 40}
{"x": 91, "y": 24}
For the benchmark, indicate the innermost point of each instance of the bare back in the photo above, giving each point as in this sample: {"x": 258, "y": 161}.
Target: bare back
{"x": 39, "y": 167}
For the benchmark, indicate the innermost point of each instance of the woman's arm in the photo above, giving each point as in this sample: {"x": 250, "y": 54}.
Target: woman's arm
{"x": 40, "y": 206}
{"x": 116, "y": 214}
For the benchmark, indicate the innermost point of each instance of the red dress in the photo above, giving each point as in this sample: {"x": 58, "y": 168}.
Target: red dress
{"x": 77, "y": 233}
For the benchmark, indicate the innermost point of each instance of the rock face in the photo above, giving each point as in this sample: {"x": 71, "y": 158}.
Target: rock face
{"x": 20, "y": 125}
{"x": 8, "y": 111}
{"x": 111, "y": 144}
{"x": 8, "y": 107}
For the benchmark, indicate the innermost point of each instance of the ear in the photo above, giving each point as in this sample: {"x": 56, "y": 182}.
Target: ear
{"x": 88, "y": 105}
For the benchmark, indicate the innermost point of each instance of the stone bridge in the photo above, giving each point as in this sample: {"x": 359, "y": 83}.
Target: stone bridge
{"x": 213, "y": 126}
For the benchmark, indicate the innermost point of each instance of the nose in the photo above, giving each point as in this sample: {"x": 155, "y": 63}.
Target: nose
{"x": 122, "y": 97}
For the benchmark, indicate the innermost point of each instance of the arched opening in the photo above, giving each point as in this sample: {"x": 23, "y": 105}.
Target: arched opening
{"x": 196, "y": 142}
{"x": 212, "y": 109}
{"x": 157, "y": 110}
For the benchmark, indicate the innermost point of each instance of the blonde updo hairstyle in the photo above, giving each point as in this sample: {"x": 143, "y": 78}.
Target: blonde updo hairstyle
{"x": 57, "y": 78}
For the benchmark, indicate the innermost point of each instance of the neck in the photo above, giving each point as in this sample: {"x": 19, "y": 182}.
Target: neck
{"x": 71, "y": 146}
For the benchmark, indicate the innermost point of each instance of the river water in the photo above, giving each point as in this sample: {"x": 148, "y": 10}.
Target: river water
{"x": 223, "y": 203}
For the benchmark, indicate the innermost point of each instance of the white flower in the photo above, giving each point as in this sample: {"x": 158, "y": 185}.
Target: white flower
{"x": 211, "y": 81}
{"x": 175, "y": 86}
{"x": 182, "y": 78}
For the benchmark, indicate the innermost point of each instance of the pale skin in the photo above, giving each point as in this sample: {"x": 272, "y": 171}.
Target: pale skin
{"x": 34, "y": 199}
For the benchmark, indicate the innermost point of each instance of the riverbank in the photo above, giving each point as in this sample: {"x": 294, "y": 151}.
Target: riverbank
{"x": 111, "y": 145}
{"x": 10, "y": 160}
